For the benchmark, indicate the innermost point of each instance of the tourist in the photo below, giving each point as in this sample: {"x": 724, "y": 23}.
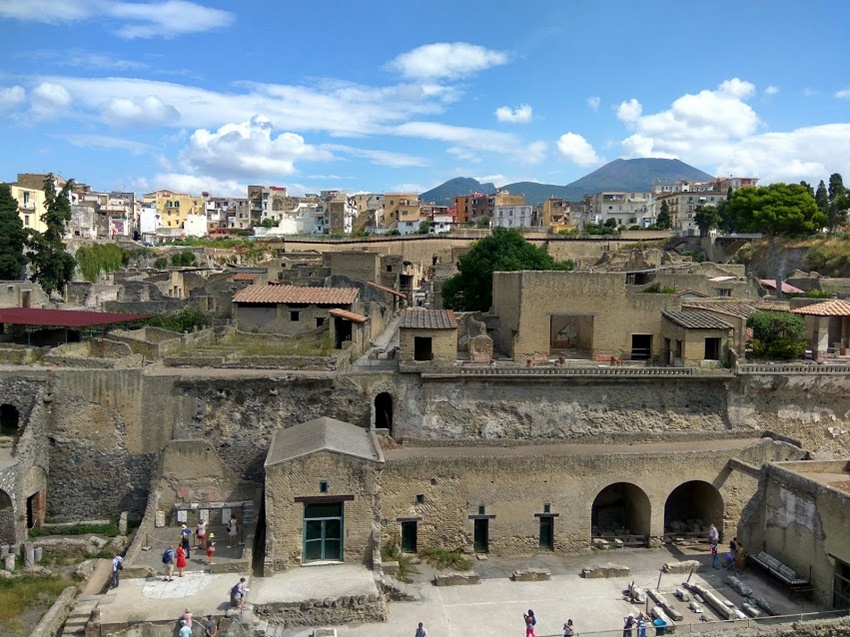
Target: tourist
{"x": 185, "y": 630}
{"x": 187, "y": 617}
{"x": 740, "y": 558}
{"x": 237, "y": 594}
{"x": 117, "y": 567}
{"x": 210, "y": 551}
{"x": 181, "y": 561}
{"x": 641, "y": 624}
{"x": 185, "y": 534}
{"x": 201, "y": 534}
{"x": 569, "y": 629}
{"x": 628, "y": 625}
{"x": 231, "y": 531}
{"x": 530, "y": 623}
{"x": 713, "y": 535}
{"x": 168, "y": 561}
{"x": 420, "y": 631}
{"x": 211, "y": 629}
{"x": 715, "y": 557}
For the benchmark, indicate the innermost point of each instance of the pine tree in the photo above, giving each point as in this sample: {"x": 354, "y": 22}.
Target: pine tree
{"x": 663, "y": 221}
{"x": 839, "y": 201}
{"x": 53, "y": 267}
{"x": 12, "y": 237}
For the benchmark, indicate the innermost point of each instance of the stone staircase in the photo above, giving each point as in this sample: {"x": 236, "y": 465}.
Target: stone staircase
{"x": 80, "y": 616}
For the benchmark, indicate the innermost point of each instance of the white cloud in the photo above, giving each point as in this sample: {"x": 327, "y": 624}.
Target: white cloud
{"x": 409, "y": 187}
{"x": 534, "y": 153}
{"x": 771, "y": 90}
{"x": 519, "y": 115}
{"x": 247, "y": 150}
{"x": 106, "y": 142}
{"x": 379, "y": 157}
{"x": 148, "y": 111}
{"x": 577, "y": 149}
{"x": 166, "y": 18}
{"x": 446, "y": 60}
{"x": 738, "y": 88}
{"x": 809, "y": 92}
{"x": 11, "y": 96}
{"x": 843, "y": 94}
{"x": 194, "y": 184}
{"x": 629, "y": 111}
{"x": 593, "y": 102}
{"x": 48, "y": 100}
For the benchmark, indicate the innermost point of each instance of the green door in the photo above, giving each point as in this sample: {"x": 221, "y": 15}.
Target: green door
{"x": 323, "y": 532}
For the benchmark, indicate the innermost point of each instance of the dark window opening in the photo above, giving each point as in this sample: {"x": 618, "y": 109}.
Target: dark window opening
{"x": 409, "y": 538}
{"x": 724, "y": 292}
{"x": 547, "y": 508}
{"x": 841, "y": 585}
{"x": 9, "y": 420}
{"x": 712, "y": 349}
{"x": 482, "y": 509}
{"x": 547, "y": 535}
{"x": 342, "y": 332}
{"x": 641, "y": 347}
{"x": 323, "y": 486}
{"x": 384, "y": 411}
{"x": 422, "y": 348}
{"x": 320, "y": 321}
{"x": 294, "y": 316}
{"x": 420, "y": 498}
{"x": 481, "y": 534}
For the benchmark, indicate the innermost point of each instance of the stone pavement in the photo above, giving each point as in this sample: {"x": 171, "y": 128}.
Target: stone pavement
{"x": 159, "y": 539}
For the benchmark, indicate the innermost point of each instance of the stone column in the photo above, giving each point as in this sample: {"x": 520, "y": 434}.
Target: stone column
{"x": 122, "y": 524}
{"x": 9, "y": 562}
{"x": 29, "y": 554}
{"x": 38, "y": 553}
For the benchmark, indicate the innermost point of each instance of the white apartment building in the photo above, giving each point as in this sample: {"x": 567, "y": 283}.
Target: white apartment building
{"x": 515, "y": 216}
{"x": 627, "y": 208}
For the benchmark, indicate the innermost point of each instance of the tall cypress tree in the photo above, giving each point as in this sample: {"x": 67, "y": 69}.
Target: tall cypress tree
{"x": 12, "y": 236}
{"x": 53, "y": 267}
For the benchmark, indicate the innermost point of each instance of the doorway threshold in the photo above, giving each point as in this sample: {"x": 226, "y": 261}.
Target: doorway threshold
{"x": 322, "y": 563}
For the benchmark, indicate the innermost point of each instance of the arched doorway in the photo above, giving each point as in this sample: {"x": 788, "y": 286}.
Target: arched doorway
{"x": 691, "y": 508}
{"x": 384, "y": 411}
{"x": 10, "y": 420}
{"x": 621, "y": 511}
{"x": 7, "y": 519}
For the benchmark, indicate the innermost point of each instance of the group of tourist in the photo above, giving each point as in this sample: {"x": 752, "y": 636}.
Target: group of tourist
{"x": 176, "y": 557}
{"x": 187, "y": 622}
{"x": 736, "y": 557}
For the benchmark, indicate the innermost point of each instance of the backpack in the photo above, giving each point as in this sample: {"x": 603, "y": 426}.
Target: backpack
{"x": 235, "y": 591}
{"x": 167, "y": 557}
{"x": 119, "y": 566}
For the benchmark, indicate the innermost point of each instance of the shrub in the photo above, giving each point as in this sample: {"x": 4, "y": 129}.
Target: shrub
{"x": 185, "y": 258}
{"x": 657, "y": 288}
{"x": 96, "y": 259}
{"x": 161, "y": 263}
{"x": 778, "y": 335}
{"x": 445, "y": 558}
{"x": 391, "y": 552}
{"x": 185, "y": 320}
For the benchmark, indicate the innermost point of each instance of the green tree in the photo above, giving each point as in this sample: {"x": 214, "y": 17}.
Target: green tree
{"x": 53, "y": 267}
{"x": 808, "y": 187}
{"x": 778, "y": 335}
{"x": 506, "y": 250}
{"x": 707, "y": 219}
{"x": 184, "y": 258}
{"x": 663, "y": 221}
{"x": 425, "y": 226}
{"x": 161, "y": 263}
{"x": 268, "y": 222}
{"x": 839, "y": 201}
{"x": 725, "y": 223}
{"x": 822, "y": 198}
{"x": 777, "y": 210}
{"x": 12, "y": 237}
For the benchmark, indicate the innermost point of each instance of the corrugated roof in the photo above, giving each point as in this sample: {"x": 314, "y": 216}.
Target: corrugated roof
{"x": 64, "y": 318}
{"x": 420, "y": 319}
{"x": 351, "y": 316}
{"x": 322, "y": 434}
{"x": 833, "y": 307}
{"x": 787, "y": 288}
{"x": 245, "y": 276}
{"x": 384, "y": 288}
{"x": 738, "y": 310}
{"x": 295, "y": 294}
{"x": 697, "y": 320}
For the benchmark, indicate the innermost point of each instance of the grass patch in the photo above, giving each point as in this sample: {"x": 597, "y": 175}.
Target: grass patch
{"x": 21, "y": 601}
{"x": 269, "y": 347}
{"x": 110, "y": 529}
{"x": 657, "y": 288}
{"x": 392, "y": 553}
{"x": 453, "y": 559}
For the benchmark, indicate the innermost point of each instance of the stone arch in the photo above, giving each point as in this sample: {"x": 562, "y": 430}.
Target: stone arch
{"x": 10, "y": 420}
{"x": 7, "y": 519}
{"x": 691, "y": 507}
{"x": 621, "y": 509}
{"x": 384, "y": 411}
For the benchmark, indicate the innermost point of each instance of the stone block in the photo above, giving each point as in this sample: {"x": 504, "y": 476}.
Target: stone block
{"x": 9, "y": 562}
{"x": 38, "y": 554}
{"x": 29, "y": 554}
{"x": 532, "y": 575}
{"x": 390, "y": 567}
{"x": 122, "y": 524}
{"x": 685, "y": 566}
{"x": 738, "y": 586}
{"x": 457, "y": 579}
{"x": 599, "y": 543}
{"x": 606, "y": 570}
{"x": 4, "y": 550}
{"x": 324, "y": 632}
{"x": 159, "y": 521}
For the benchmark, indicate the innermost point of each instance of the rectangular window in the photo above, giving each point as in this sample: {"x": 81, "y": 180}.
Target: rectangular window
{"x": 712, "y": 349}
{"x": 420, "y": 498}
{"x": 422, "y": 348}
{"x": 724, "y": 292}
{"x": 294, "y": 316}
{"x": 26, "y": 220}
{"x": 323, "y": 486}
{"x": 641, "y": 347}
{"x": 320, "y": 321}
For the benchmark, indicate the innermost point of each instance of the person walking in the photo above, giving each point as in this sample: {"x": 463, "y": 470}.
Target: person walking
{"x": 231, "y": 531}
{"x": 530, "y": 623}
{"x": 201, "y": 535}
{"x": 168, "y": 561}
{"x": 185, "y": 629}
{"x": 181, "y": 561}
{"x": 628, "y": 625}
{"x": 715, "y": 557}
{"x": 210, "y": 552}
{"x": 185, "y": 534}
{"x": 237, "y": 594}
{"x": 713, "y": 535}
{"x": 211, "y": 629}
{"x": 187, "y": 617}
{"x": 117, "y": 567}
{"x": 569, "y": 629}
{"x": 641, "y": 625}
{"x": 420, "y": 631}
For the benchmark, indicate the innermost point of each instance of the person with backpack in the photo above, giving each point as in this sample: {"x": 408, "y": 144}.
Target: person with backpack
{"x": 168, "y": 561}
{"x": 530, "y": 623}
{"x": 569, "y": 629}
{"x": 237, "y": 594}
{"x": 117, "y": 567}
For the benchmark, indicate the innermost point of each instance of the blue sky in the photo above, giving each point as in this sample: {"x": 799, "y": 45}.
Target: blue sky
{"x": 402, "y": 95}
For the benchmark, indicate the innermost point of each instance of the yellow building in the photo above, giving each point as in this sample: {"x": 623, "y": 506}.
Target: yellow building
{"x": 31, "y": 206}
{"x": 174, "y": 207}
{"x": 392, "y": 202}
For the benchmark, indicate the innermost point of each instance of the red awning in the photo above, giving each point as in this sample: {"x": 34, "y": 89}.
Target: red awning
{"x": 63, "y": 318}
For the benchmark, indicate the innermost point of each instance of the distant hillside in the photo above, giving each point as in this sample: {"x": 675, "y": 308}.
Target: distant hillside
{"x": 456, "y": 187}
{"x": 620, "y": 174}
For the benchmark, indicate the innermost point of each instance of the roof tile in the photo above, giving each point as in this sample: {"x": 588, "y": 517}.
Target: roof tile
{"x": 420, "y": 319}
{"x": 295, "y": 294}
{"x": 834, "y": 307}
{"x": 697, "y": 320}
{"x": 351, "y": 316}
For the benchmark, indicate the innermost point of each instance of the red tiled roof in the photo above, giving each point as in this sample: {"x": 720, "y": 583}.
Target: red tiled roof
{"x": 419, "y": 319}
{"x": 834, "y": 307}
{"x": 351, "y": 316}
{"x": 384, "y": 288}
{"x": 295, "y": 294}
{"x": 63, "y": 318}
{"x": 245, "y": 276}
{"x": 787, "y": 288}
